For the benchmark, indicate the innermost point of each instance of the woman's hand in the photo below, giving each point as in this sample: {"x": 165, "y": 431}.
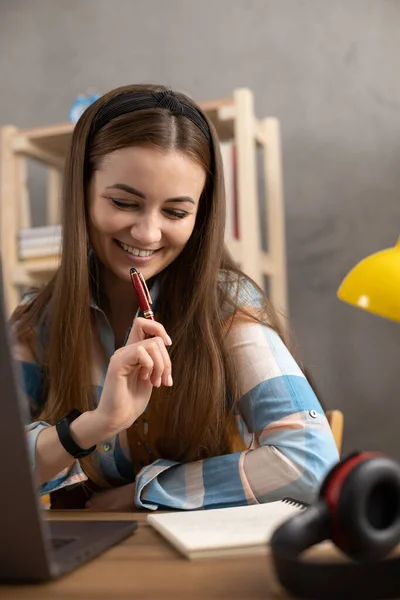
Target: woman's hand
{"x": 121, "y": 498}
{"x": 133, "y": 371}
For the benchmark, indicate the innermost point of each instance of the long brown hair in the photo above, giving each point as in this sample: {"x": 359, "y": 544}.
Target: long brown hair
{"x": 195, "y": 411}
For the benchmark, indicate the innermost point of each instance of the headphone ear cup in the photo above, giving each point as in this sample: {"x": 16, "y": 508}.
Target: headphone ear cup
{"x": 359, "y": 509}
{"x": 366, "y": 525}
{"x": 302, "y": 531}
{"x": 332, "y": 472}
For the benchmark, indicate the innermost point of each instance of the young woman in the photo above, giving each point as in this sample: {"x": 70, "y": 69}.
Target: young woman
{"x": 204, "y": 407}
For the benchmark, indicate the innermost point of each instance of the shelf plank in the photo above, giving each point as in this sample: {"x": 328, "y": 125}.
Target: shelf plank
{"x": 44, "y": 266}
{"x": 56, "y": 139}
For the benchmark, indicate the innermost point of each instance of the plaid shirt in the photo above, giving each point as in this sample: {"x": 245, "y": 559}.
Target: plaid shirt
{"x": 286, "y": 445}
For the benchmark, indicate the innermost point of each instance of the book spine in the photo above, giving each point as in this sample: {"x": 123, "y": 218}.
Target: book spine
{"x": 40, "y": 242}
{"x": 38, "y": 232}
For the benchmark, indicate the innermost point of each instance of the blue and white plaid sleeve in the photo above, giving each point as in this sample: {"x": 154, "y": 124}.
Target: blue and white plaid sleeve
{"x": 30, "y": 376}
{"x": 288, "y": 444}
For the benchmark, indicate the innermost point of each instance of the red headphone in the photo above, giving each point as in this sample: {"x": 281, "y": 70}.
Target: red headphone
{"x": 358, "y": 508}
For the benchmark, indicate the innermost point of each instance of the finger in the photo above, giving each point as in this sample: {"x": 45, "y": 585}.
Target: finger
{"x": 150, "y": 355}
{"x": 145, "y": 361}
{"x": 128, "y": 357}
{"x": 146, "y": 364}
{"x": 153, "y": 347}
{"x": 166, "y": 377}
{"x": 143, "y": 328}
{"x": 145, "y": 373}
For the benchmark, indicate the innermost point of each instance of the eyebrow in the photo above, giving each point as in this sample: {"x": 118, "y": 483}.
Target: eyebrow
{"x": 130, "y": 190}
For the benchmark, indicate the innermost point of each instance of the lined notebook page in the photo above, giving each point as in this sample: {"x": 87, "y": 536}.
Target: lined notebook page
{"x": 224, "y": 530}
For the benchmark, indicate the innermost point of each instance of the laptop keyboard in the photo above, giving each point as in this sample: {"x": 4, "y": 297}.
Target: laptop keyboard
{"x": 58, "y": 543}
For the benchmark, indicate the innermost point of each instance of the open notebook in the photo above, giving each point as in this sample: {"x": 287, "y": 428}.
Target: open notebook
{"x": 224, "y": 531}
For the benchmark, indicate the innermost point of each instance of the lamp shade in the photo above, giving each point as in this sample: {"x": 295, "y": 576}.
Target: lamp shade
{"x": 374, "y": 284}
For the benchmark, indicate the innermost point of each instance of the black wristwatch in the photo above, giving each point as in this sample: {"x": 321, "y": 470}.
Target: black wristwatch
{"x": 66, "y": 440}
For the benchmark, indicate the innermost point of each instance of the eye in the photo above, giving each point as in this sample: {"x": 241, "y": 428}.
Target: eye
{"x": 123, "y": 205}
{"x": 176, "y": 214}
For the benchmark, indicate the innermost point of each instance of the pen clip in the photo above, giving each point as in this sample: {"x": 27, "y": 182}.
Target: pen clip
{"x": 145, "y": 288}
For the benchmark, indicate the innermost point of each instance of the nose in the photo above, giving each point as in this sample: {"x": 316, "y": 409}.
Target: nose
{"x": 146, "y": 230}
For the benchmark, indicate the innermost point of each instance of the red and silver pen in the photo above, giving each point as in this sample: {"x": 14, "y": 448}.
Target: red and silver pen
{"x": 142, "y": 294}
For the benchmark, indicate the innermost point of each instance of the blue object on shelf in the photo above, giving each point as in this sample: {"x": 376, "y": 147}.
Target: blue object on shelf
{"x": 80, "y": 104}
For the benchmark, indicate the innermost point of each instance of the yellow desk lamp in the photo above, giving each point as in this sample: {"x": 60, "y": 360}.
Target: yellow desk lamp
{"x": 374, "y": 284}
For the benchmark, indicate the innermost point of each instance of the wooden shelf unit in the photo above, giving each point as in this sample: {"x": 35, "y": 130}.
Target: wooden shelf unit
{"x": 233, "y": 118}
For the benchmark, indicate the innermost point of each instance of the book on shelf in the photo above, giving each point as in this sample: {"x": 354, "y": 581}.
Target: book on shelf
{"x": 46, "y": 231}
{"x": 38, "y": 242}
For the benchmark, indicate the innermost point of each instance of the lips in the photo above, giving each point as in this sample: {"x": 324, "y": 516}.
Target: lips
{"x": 136, "y": 251}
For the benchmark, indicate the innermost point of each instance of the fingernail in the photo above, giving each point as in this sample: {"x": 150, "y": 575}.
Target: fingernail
{"x": 169, "y": 341}
{"x": 158, "y": 382}
{"x": 169, "y": 380}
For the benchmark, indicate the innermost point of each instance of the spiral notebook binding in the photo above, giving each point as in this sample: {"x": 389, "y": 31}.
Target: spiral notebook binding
{"x": 294, "y": 502}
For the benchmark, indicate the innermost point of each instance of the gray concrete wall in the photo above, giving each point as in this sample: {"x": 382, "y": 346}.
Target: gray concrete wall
{"x": 329, "y": 71}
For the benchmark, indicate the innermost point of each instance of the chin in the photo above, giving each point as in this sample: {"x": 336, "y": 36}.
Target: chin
{"x": 123, "y": 271}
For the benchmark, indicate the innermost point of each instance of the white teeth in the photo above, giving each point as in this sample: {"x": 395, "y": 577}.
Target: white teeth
{"x": 135, "y": 251}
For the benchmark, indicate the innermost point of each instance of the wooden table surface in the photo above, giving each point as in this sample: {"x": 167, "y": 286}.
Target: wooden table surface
{"x": 146, "y": 566}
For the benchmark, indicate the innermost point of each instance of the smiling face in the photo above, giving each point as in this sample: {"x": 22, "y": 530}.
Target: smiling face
{"x": 143, "y": 204}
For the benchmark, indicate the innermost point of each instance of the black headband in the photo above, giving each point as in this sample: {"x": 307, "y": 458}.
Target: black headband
{"x": 132, "y": 101}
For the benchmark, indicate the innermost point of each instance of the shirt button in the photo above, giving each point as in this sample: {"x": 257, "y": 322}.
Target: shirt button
{"x": 139, "y": 443}
{"x": 313, "y": 414}
{"x": 107, "y": 447}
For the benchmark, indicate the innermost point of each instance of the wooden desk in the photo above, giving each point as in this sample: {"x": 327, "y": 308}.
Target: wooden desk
{"x": 145, "y": 566}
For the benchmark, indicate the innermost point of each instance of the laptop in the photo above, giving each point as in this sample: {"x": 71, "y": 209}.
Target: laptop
{"x": 33, "y": 549}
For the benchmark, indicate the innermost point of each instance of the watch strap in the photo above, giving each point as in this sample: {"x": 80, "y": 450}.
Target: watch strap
{"x": 67, "y": 441}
